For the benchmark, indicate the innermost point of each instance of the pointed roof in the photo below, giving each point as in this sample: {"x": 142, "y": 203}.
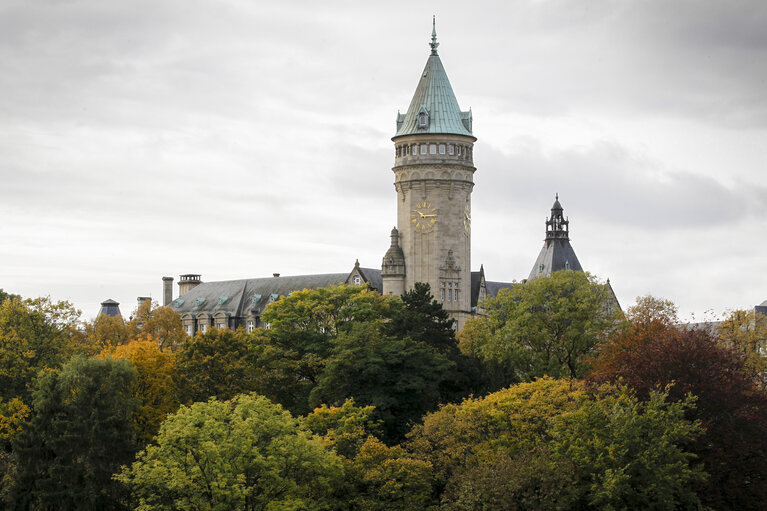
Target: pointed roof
{"x": 109, "y": 307}
{"x": 557, "y": 253}
{"x": 434, "y": 108}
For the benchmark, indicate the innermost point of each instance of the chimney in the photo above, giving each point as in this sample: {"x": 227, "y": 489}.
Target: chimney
{"x": 141, "y": 300}
{"x": 167, "y": 290}
{"x": 188, "y": 282}
{"x": 275, "y": 275}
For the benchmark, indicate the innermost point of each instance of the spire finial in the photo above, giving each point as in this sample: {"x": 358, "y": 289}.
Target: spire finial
{"x": 556, "y": 196}
{"x": 434, "y": 42}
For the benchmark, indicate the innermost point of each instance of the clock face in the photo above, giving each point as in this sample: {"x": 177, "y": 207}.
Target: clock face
{"x": 424, "y": 217}
{"x": 467, "y": 220}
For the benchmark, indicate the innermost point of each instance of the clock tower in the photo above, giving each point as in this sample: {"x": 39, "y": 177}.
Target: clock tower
{"x": 433, "y": 177}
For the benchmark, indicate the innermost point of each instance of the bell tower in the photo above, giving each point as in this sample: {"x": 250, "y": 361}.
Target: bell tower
{"x": 433, "y": 177}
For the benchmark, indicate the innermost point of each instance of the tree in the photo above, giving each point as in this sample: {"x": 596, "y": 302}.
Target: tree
{"x": 628, "y": 454}
{"x": 218, "y": 363}
{"x": 108, "y": 331}
{"x": 79, "y": 434}
{"x": 34, "y": 334}
{"x": 345, "y": 427}
{"x": 154, "y": 385}
{"x": 401, "y": 378}
{"x": 730, "y": 408}
{"x": 159, "y": 324}
{"x": 388, "y": 478}
{"x": 245, "y": 454}
{"x": 423, "y": 319}
{"x": 746, "y": 332}
{"x": 8, "y": 296}
{"x": 551, "y": 445}
{"x": 516, "y": 419}
{"x": 546, "y": 326}
{"x": 295, "y": 349}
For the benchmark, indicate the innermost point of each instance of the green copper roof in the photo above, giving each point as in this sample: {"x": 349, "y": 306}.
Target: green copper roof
{"x": 434, "y": 108}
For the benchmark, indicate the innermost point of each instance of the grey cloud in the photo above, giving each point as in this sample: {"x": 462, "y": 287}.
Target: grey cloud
{"x": 618, "y": 187}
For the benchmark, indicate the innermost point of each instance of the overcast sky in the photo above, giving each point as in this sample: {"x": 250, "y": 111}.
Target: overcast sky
{"x": 241, "y": 138}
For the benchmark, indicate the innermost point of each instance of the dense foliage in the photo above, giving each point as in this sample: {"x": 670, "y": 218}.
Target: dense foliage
{"x": 546, "y": 326}
{"x": 356, "y": 401}
{"x": 652, "y": 351}
{"x": 246, "y": 453}
{"x": 79, "y": 434}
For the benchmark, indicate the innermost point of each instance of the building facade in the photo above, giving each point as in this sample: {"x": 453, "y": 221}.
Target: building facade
{"x": 433, "y": 182}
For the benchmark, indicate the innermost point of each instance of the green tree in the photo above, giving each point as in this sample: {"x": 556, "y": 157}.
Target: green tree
{"x": 552, "y": 445}
{"x": 80, "y": 433}
{"x": 423, "y": 319}
{"x": 546, "y": 326}
{"x": 294, "y": 351}
{"x": 629, "y": 454}
{"x": 219, "y": 363}
{"x": 244, "y": 454}
{"x": 401, "y": 378}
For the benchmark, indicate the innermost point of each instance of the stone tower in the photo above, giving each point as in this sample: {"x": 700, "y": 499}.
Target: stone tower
{"x": 433, "y": 177}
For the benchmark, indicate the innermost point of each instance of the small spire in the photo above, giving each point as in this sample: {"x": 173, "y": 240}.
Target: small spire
{"x": 556, "y": 196}
{"x": 434, "y": 42}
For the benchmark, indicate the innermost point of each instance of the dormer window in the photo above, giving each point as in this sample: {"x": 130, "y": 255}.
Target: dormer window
{"x": 423, "y": 121}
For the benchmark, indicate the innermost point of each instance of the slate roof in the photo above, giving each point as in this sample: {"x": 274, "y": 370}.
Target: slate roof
{"x": 110, "y": 307}
{"x": 557, "y": 253}
{"x": 237, "y": 297}
{"x": 373, "y": 276}
{"x": 434, "y": 95}
{"x": 494, "y": 287}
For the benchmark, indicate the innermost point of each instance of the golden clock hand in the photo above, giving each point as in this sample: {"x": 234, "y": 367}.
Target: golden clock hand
{"x": 422, "y": 215}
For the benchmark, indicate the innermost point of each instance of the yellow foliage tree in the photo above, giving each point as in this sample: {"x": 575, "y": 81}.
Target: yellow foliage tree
{"x": 154, "y": 384}
{"x": 746, "y": 331}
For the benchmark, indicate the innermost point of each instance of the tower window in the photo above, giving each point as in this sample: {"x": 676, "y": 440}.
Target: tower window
{"x": 422, "y": 120}
{"x": 442, "y": 149}
{"x": 451, "y": 149}
{"x": 414, "y": 149}
{"x": 442, "y": 291}
{"x": 423, "y": 148}
{"x": 432, "y": 148}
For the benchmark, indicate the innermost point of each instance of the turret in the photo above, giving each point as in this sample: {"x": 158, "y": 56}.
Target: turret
{"x": 557, "y": 253}
{"x": 393, "y": 267}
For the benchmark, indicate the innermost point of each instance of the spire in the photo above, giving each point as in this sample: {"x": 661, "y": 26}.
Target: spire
{"x": 434, "y": 108}
{"x": 557, "y": 226}
{"x": 434, "y": 44}
{"x": 557, "y": 253}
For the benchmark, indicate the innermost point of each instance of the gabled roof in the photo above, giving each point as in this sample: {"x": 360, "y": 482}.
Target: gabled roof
{"x": 434, "y": 97}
